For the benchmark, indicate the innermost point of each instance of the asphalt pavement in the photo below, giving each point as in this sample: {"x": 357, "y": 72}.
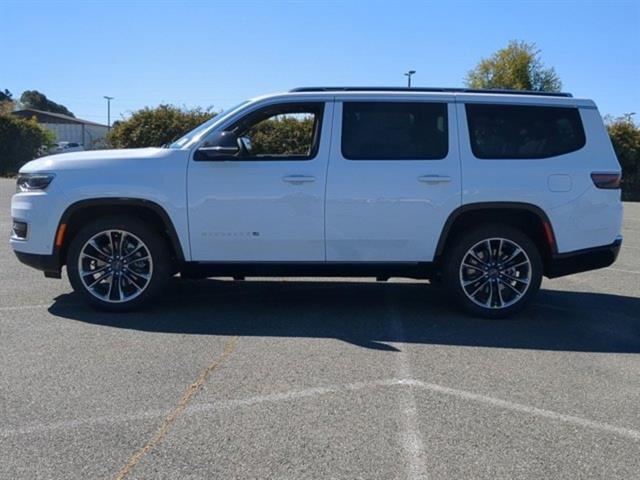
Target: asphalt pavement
{"x": 296, "y": 379}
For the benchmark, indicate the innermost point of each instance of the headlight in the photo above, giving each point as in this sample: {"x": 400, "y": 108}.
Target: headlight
{"x": 29, "y": 182}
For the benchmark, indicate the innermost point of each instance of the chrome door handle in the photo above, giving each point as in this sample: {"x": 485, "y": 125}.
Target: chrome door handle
{"x": 433, "y": 179}
{"x": 298, "y": 179}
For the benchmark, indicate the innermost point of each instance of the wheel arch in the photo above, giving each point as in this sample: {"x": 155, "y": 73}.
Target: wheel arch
{"x": 531, "y": 219}
{"x": 78, "y": 213}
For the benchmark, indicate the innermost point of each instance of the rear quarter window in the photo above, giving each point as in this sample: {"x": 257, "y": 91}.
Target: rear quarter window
{"x": 523, "y": 131}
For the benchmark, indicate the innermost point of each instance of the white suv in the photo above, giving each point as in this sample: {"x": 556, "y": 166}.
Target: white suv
{"x": 485, "y": 190}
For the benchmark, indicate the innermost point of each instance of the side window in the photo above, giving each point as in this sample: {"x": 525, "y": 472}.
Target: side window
{"x": 285, "y": 131}
{"x": 394, "y": 131}
{"x": 526, "y": 132}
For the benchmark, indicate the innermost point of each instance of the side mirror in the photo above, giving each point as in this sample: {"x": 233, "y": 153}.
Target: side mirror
{"x": 222, "y": 146}
{"x": 246, "y": 144}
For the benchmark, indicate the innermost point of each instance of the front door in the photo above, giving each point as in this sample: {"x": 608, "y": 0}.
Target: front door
{"x": 265, "y": 203}
{"x": 394, "y": 178}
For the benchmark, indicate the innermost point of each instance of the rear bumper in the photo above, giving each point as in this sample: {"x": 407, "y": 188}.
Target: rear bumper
{"x": 562, "y": 264}
{"x": 49, "y": 264}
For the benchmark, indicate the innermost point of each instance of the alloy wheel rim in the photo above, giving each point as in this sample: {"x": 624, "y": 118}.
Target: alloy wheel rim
{"x": 115, "y": 266}
{"x": 495, "y": 273}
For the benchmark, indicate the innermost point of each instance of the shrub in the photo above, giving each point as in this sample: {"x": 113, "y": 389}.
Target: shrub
{"x": 153, "y": 127}
{"x": 20, "y": 141}
{"x": 284, "y": 136}
{"x": 625, "y": 136}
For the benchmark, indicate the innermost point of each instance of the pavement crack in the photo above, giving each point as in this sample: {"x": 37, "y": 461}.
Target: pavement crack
{"x": 173, "y": 415}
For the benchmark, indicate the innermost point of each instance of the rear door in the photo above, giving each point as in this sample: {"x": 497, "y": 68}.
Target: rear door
{"x": 393, "y": 177}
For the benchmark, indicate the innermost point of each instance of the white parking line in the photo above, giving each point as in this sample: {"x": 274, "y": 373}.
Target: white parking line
{"x": 518, "y": 407}
{"x": 411, "y": 438}
{"x": 39, "y": 428}
{"x": 288, "y": 396}
{"x": 623, "y": 270}
{"x": 35, "y": 307}
{"x": 320, "y": 391}
{"x": 192, "y": 409}
{"x": 23, "y": 307}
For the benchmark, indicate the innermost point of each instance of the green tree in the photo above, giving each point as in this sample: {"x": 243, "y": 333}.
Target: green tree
{"x": 625, "y": 137}
{"x": 288, "y": 135}
{"x": 153, "y": 127}
{"x": 20, "y": 141}
{"x": 516, "y": 67}
{"x": 39, "y": 101}
{"x": 6, "y": 102}
{"x": 6, "y": 96}
{"x": 6, "y": 107}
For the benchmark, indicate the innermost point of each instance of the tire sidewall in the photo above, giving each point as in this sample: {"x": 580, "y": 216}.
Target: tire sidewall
{"x": 461, "y": 246}
{"x": 157, "y": 248}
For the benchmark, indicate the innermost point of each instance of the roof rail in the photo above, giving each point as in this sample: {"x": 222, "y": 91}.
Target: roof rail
{"x": 431, "y": 89}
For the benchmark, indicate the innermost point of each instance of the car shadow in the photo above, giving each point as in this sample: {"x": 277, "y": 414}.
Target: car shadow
{"x": 373, "y": 315}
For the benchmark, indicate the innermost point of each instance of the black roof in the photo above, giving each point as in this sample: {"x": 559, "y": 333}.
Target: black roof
{"x": 431, "y": 89}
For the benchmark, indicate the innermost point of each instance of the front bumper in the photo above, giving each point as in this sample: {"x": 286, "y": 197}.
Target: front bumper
{"x": 49, "y": 264}
{"x": 562, "y": 264}
{"x": 41, "y": 212}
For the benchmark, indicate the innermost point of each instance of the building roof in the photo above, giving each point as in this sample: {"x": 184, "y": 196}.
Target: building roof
{"x": 50, "y": 117}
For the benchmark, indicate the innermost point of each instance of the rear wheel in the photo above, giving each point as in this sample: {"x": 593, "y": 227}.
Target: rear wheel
{"x": 493, "y": 271}
{"x": 118, "y": 263}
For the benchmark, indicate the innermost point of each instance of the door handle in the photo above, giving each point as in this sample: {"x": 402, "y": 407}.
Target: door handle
{"x": 433, "y": 179}
{"x": 298, "y": 179}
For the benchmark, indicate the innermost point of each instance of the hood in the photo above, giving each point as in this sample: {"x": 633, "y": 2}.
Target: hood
{"x": 91, "y": 159}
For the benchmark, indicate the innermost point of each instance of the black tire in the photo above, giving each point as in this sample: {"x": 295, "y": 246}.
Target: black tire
{"x": 503, "y": 283}
{"x": 158, "y": 273}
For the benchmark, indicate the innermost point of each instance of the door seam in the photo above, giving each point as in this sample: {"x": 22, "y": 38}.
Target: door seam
{"x": 458, "y": 129}
{"x": 326, "y": 179}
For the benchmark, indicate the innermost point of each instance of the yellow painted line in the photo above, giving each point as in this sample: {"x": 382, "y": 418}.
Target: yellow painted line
{"x": 170, "y": 419}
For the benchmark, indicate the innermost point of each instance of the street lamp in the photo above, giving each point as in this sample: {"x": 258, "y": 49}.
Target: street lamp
{"x": 408, "y": 75}
{"x": 108, "y": 99}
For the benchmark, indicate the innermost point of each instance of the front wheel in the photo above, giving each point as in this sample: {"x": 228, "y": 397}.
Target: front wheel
{"x": 118, "y": 263}
{"x": 493, "y": 271}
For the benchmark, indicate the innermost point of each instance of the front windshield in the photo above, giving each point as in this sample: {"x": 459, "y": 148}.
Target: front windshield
{"x": 200, "y": 129}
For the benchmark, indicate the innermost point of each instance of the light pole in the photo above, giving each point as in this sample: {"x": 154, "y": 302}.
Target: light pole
{"x": 408, "y": 75}
{"x": 108, "y": 99}
{"x": 627, "y": 116}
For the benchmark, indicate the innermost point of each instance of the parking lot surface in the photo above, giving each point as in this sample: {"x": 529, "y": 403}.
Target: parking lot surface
{"x": 300, "y": 379}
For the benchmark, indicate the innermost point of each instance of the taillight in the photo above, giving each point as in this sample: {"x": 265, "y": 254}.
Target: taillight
{"x": 606, "y": 180}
